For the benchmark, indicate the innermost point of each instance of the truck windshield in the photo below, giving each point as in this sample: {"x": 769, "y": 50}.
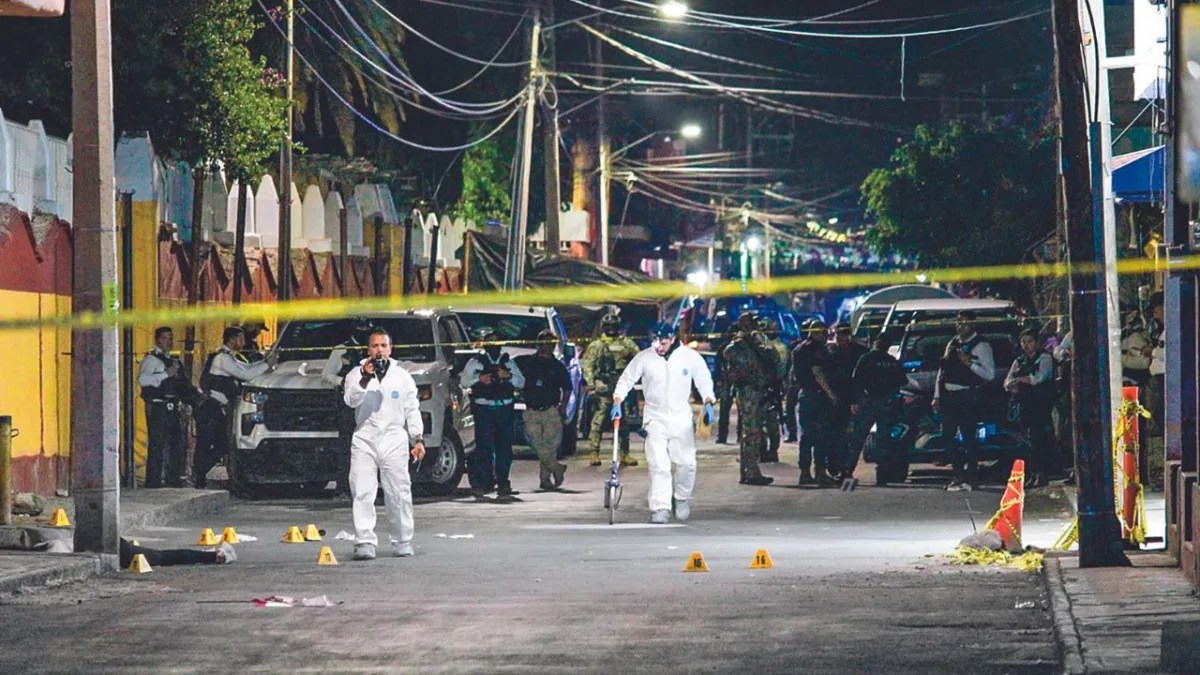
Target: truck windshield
{"x": 520, "y": 327}
{"x": 412, "y": 337}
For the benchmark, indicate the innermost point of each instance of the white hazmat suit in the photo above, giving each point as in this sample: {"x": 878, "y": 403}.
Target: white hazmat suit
{"x": 668, "y": 418}
{"x": 386, "y": 413}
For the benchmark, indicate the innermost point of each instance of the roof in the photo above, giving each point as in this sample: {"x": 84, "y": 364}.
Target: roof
{"x": 886, "y": 297}
{"x": 507, "y": 310}
{"x": 951, "y": 305}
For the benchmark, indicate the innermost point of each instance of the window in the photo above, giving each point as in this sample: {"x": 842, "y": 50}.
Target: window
{"x": 412, "y": 337}
{"x": 508, "y": 327}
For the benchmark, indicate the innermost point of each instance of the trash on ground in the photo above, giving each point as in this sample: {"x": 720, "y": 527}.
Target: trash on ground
{"x": 288, "y": 601}
{"x": 344, "y": 535}
{"x": 1025, "y": 604}
{"x": 1029, "y": 561}
{"x": 988, "y": 540}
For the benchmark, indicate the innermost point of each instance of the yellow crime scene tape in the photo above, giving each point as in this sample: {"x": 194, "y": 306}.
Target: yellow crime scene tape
{"x": 331, "y": 308}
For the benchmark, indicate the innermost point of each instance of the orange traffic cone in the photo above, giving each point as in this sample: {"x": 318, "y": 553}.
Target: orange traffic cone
{"x": 1007, "y": 521}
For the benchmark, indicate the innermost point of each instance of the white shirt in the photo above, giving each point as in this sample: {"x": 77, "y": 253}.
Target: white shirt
{"x": 983, "y": 364}
{"x": 389, "y": 405}
{"x": 153, "y": 371}
{"x": 1043, "y": 370}
{"x": 229, "y": 365}
{"x": 667, "y": 382}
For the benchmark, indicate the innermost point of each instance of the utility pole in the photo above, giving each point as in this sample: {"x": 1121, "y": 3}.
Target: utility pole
{"x": 514, "y": 274}
{"x": 95, "y": 388}
{"x": 602, "y": 145}
{"x": 285, "y": 163}
{"x": 1180, "y": 308}
{"x": 1099, "y": 535}
{"x": 550, "y": 142}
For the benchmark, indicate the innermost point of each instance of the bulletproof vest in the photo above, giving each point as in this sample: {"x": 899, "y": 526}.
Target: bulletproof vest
{"x": 953, "y": 370}
{"x": 1027, "y": 367}
{"x": 228, "y": 386}
{"x": 498, "y": 390}
{"x": 164, "y": 391}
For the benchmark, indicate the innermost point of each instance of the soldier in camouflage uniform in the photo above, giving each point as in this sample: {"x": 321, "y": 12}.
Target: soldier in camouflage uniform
{"x": 751, "y": 362}
{"x": 775, "y": 392}
{"x": 603, "y": 363}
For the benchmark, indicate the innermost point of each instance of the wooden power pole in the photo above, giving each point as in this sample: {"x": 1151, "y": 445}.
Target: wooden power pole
{"x": 1081, "y": 189}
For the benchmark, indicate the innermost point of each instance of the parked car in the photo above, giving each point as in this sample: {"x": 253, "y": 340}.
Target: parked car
{"x": 291, "y": 426}
{"x": 522, "y": 324}
{"x": 920, "y": 350}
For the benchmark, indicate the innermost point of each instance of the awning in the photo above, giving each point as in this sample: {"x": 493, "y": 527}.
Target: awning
{"x": 1139, "y": 176}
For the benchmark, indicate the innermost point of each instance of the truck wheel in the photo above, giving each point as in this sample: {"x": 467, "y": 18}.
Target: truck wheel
{"x": 449, "y": 463}
{"x": 238, "y": 486}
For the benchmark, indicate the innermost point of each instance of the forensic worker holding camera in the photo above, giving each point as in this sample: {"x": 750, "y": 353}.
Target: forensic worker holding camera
{"x": 387, "y": 419}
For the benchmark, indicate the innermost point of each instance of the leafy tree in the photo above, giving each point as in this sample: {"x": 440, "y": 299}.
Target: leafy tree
{"x": 486, "y": 191}
{"x": 963, "y": 195}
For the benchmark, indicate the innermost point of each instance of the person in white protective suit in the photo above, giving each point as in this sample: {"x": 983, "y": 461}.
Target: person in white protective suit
{"x": 667, "y": 371}
{"x": 387, "y": 418}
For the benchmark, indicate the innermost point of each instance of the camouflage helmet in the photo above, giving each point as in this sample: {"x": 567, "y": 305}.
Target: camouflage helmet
{"x": 766, "y": 324}
{"x": 747, "y": 322}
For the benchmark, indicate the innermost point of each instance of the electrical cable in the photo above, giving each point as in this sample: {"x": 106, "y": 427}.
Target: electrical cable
{"x": 473, "y": 8}
{"x": 440, "y": 46}
{"x": 371, "y": 123}
{"x": 839, "y": 36}
{"x": 407, "y": 79}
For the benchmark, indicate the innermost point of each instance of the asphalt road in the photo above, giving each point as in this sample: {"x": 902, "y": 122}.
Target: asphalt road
{"x": 543, "y": 584}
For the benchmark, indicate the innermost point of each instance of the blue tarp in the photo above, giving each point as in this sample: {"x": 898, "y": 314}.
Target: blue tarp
{"x": 1139, "y": 176}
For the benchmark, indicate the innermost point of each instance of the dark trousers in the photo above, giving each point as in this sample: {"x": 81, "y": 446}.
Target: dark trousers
{"x": 723, "y": 415}
{"x": 165, "y": 444}
{"x": 157, "y": 558}
{"x": 960, "y": 413}
{"x": 818, "y": 425}
{"x": 1038, "y": 428}
{"x": 790, "y": 402}
{"x": 212, "y": 440}
{"x": 492, "y": 460}
{"x": 879, "y": 412}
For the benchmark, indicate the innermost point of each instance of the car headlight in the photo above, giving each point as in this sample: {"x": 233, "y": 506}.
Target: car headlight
{"x": 254, "y": 396}
{"x": 425, "y": 392}
{"x": 249, "y": 421}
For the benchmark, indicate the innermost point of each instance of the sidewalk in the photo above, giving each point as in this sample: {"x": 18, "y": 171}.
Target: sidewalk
{"x": 1110, "y": 620}
{"x": 139, "y": 509}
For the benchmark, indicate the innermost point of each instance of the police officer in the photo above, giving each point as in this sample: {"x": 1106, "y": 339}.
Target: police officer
{"x": 603, "y": 363}
{"x": 546, "y": 393}
{"x": 845, "y": 354}
{"x": 775, "y": 388}
{"x": 751, "y": 363}
{"x": 816, "y": 403}
{"x": 967, "y": 366}
{"x": 792, "y": 398}
{"x": 165, "y": 388}
{"x": 221, "y": 380}
{"x": 492, "y": 378}
{"x": 877, "y": 381}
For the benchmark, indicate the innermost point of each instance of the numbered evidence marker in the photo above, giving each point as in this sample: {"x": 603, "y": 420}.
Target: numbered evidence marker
{"x": 326, "y": 557}
{"x": 762, "y": 560}
{"x": 695, "y": 563}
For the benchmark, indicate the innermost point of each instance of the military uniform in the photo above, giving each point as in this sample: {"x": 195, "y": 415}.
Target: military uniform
{"x": 602, "y": 365}
{"x": 775, "y": 400}
{"x": 750, "y": 363}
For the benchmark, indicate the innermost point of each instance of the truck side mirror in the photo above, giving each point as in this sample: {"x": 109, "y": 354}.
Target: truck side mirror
{"x": 569, "y": 352}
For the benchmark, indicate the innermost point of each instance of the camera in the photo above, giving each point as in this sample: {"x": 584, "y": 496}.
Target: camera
{"x": 380, "y": 365}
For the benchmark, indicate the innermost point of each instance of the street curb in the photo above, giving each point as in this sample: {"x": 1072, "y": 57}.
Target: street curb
{"x": 1069, "y": 642}
{"x": 203, "y": 503}
{"x": 56, "y": 571}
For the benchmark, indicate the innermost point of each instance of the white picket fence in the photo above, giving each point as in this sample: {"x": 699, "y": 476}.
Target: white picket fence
{"x": 35, "y": 176}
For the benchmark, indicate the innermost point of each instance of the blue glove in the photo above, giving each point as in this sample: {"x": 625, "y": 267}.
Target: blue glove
{"x": 615, "y": 411}
{"x": 709, "y": 413}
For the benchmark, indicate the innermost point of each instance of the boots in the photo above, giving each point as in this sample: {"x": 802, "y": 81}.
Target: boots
{"x": 594, "y": 459}
{"x": 823, "y": 477}
{"x": 806, "y": 478}
{"x": 628, "y": 460}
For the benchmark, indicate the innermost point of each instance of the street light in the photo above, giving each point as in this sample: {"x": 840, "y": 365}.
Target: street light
{"x": 673, "y": 9}
{"x": 753, "y": 243}
{"x": 690, "y": 130}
